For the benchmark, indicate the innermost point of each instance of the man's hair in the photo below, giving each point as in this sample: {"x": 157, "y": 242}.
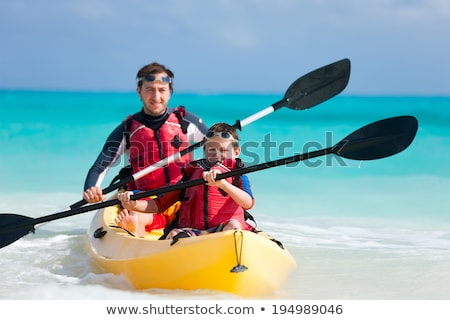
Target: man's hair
{"x": 154, "y": 68}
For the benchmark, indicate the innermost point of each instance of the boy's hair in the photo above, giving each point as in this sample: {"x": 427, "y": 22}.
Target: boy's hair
{"x": 224, "y": 127}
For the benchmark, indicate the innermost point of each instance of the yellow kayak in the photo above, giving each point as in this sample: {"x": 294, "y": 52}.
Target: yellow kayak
{"x": 244, "y": 263}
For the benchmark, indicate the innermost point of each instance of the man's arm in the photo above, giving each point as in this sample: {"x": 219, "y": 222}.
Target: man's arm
{"x": 112, "y": 150}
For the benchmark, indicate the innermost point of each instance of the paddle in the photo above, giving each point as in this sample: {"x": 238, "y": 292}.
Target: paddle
{"x": 377, "y": 140}
{"x": 306, "y": 92}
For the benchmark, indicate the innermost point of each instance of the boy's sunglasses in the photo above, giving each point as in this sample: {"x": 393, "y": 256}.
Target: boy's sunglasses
{"x": 152, "y": 77}
{"x": 222, "y": 134}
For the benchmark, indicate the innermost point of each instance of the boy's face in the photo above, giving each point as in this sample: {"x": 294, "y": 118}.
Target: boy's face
{"x": 218, "y": 149}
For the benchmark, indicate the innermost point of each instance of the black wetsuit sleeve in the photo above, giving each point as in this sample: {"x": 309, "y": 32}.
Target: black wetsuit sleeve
{"x": 111, "y": 152}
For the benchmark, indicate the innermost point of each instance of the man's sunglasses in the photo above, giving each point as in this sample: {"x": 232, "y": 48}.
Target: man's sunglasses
{"x": 152, "y": 77}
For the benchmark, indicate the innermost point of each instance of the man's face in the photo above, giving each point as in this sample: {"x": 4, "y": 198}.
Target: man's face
{"x": 155, "y": 95}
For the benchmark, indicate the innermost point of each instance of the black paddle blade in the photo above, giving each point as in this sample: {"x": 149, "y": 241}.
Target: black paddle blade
{"x": 11, "y": 228}
{"x": 379, "y": 139}
{"x": 318, "y": 85}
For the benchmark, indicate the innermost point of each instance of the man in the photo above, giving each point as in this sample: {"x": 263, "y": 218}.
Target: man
{"x": 148, "y": 136}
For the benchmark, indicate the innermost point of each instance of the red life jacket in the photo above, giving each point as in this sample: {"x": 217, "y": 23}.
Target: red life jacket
{"x": 146, "y": 147}
{"x": 206, "y": 207}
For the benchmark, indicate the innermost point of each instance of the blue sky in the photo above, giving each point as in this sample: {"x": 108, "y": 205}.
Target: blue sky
{"x": 395, "y": 46}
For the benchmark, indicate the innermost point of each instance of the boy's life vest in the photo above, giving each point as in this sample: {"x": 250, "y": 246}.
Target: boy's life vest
{"x": 147, "y": 146}
{"x": 205, "y": 207}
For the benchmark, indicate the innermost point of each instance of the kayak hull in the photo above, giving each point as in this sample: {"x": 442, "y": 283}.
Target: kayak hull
{"x": 244, "y": 263}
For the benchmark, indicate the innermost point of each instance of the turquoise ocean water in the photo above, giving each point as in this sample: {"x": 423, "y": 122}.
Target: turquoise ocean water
{"x": 375, "y": 229}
